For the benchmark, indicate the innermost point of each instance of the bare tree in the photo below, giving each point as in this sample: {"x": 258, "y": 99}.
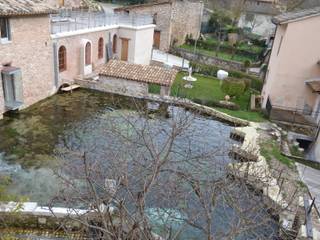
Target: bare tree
{"x": 149, "y": 176}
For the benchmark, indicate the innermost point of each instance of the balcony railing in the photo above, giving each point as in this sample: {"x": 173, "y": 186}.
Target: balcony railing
{"x": 68, "y": 21}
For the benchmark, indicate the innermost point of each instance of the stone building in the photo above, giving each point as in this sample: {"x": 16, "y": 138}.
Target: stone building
{"x": 41, "y": 50}
{"x": 26, "y": 53}
{"x": 132, "y": 79}
{"x": 74, "y": 4}
{"x": 174, "y": 19}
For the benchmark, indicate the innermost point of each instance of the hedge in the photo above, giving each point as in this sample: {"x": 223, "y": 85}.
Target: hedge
{"x": 211, "y": 70}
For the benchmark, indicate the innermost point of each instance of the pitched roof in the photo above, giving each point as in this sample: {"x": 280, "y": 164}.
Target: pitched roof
{"x": 24, "y": 7}
{"x": 296, "y": 15}
{"x": 138, "y": 72}
{"x": 142, "y": 5}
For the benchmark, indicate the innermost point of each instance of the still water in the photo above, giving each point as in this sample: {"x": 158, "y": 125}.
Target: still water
{"x": 37, "y": 141}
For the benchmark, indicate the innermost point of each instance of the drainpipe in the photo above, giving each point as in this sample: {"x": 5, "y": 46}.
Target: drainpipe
{"x": 55, "y": 65}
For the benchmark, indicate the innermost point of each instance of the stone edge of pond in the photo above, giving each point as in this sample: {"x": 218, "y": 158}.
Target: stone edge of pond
{"x": 258, "y": 174}
{"x": 202, "y": 109}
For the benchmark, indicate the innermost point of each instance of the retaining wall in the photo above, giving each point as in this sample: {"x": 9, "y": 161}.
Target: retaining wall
{"x": 209, "y": 60}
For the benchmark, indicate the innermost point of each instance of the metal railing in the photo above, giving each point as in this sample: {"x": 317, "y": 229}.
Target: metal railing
{"x": 71, "y": 20}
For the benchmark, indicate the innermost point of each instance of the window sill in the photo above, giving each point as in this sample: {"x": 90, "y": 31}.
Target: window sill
{"x": 5, "y": 41}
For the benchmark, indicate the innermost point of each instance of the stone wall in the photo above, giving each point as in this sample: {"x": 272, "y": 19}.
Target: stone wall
{"x": 186, "y": 19}
{"x": 174, "y": 20}
{"x": 31, "y": 50}
{"x": 67, "y": 3}
{"x": 117, "y": 85}
{"x": 204, "y": 59}
{"x": 162, "y": 16}
{"x": 268, "y": 8}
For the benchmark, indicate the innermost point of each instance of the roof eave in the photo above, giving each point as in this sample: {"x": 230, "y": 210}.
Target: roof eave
{"x": 279, "y": 22}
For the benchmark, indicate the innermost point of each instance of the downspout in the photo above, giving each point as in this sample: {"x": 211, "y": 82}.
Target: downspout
{"x": 55, "y": 65}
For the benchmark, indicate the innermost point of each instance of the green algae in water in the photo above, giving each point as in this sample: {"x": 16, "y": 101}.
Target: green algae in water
{"x": 29, "y": 137}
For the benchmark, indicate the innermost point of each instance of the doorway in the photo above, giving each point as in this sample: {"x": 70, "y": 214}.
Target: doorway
{"x": 61, "y": 3}
{"x": 156, "y": 39}
{"x": 124, "y": 49}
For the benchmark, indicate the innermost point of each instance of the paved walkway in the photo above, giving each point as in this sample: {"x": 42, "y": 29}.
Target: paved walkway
{"x": 169, "y": 59}
{"x": 311, "y": 177}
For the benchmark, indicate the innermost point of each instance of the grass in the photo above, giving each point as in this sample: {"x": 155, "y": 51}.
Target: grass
{"x": 249, "y": 116}
{"x": 222, "y": 55}
{"x": 295, "y": 151}
{"x": 270, "y": 149}
{"x": 207, "y": 89}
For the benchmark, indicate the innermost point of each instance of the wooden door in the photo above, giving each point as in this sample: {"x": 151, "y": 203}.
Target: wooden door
{"x": 124, "y": 49}
{"x": 156, "y": 39}
{"x": 61, "y": 3}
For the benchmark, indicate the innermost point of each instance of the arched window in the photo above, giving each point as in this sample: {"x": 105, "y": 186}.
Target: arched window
{"x": 88, "y": 53}
{"x": 114, "y": 43}
{"x": 62, "y": 59}
{"x": 100, "y": 48}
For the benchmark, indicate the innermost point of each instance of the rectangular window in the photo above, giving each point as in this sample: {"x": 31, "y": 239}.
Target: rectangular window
{"x": 4, "y": 29}
{"x": 12, "y": 87}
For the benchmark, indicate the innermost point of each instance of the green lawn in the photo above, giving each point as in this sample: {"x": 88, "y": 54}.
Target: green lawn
{"x": 222, "y": 55}
{"x": 207, "y": 89}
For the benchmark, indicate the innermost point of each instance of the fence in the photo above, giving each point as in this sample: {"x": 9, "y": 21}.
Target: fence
{"x": 71, "y": 20}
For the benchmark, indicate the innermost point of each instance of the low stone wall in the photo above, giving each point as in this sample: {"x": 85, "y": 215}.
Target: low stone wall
{"x": 116, "y": 85}
{"x": 209, "y": 60}
{"x": 257, "y": 173}
{"x": 201, "y": 109}
{"x": 32, "y": 217}
{"x": 140, "y": 90}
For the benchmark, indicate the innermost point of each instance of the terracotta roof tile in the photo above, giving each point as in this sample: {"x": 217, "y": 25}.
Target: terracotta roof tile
{"x": 138, "y": 72}
{"x": 24, "y": 7}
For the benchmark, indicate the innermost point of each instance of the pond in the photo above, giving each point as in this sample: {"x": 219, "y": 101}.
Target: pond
{"x": 51, "y": 137}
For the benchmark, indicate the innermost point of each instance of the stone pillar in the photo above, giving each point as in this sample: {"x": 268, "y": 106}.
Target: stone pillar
{"x": 165, "y": 90}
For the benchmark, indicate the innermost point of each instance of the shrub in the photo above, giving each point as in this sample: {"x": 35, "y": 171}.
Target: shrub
{"x": 233, "y": 87}
{"x": 247, "y": 63}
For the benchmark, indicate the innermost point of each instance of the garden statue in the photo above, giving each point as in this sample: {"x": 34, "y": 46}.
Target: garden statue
{"x": 189, "y": 79}
{"x": 190, "y": 71}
